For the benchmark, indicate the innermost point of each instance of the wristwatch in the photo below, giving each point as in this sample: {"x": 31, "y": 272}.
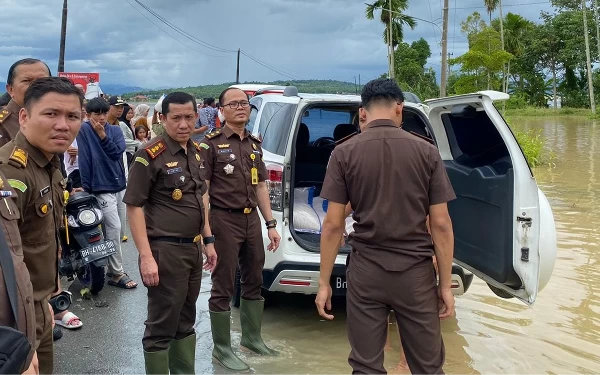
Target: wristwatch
{"x": 208, "y": 240}
{"x": 271, "y": 224}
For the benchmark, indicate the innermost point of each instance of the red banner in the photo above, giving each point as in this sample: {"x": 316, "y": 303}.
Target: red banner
{"x": 81, "y": 80}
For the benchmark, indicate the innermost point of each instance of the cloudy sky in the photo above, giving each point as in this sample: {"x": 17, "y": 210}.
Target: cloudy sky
{"x": 279, "y": 39}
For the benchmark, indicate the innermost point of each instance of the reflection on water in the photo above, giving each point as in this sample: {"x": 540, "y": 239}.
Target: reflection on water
{"x": 560, "y": 334}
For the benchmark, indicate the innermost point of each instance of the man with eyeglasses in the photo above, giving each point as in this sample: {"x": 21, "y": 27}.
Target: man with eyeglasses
{"x": 236, "y": 174}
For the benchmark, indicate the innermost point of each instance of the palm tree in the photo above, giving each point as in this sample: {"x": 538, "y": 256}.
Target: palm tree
{"x": 398, "y": 18}
{"x": 490, "y": 6}
{"x": 516, "y": 29}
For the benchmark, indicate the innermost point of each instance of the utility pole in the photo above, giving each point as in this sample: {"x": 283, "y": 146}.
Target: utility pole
{"x": 63, "y": 37}
{"x": 597, "y": 25}
{"x": 355, "y": 86}
{"x": 237, "y": 71}
{"x": 359, "y": 89}
{"x": 444, "y": 71}
{"x": 588, "y": 58}
{"x": 390, "y": 42}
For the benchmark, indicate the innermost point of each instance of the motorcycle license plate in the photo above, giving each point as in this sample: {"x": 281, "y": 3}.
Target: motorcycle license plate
{"x": 98, "y": 251}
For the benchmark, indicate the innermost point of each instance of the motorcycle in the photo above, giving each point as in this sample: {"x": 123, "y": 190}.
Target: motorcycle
{"x": 85, "y": 249}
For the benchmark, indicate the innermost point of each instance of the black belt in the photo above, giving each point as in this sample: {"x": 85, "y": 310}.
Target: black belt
{"x": 174, "y": 239}
{"x": 234, "y": 210}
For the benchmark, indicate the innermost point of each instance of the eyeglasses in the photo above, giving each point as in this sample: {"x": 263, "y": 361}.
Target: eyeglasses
{"x": 235, "y": 105}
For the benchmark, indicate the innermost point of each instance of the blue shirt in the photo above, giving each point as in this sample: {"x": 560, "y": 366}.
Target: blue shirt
{"x": 101, "y": 161}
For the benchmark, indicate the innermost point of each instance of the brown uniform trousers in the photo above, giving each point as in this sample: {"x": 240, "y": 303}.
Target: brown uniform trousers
{"x": 172, "y": 303}
{"x": 412, "y": 294}
{"x": 43, "y": 338}
{"x": 238, "y": 240}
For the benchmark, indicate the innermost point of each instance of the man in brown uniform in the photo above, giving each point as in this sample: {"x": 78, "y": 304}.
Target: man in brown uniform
{"x": 236, "y": 174}
{"x": 20, "y": 76}
{"x": 392, "y": 180}
{"x": 49, "y": 123}
{"x": 25, "y": 311}
{"x": 165, "y": 200}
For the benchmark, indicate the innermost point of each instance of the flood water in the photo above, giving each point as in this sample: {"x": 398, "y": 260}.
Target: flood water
{"x": 559, "y": 334}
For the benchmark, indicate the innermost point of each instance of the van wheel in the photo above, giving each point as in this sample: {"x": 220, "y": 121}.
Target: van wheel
{"x": 500, "y": 293}
{"x": 237, "y": 289}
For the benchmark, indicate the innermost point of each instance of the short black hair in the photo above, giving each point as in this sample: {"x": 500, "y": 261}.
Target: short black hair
{"x": 177, "y": 97}
{"x": 46, "y": 85}
{"x": 209, "y": 101}
{"x": 27, "y": 61}
{"x": 97, "y": 105}
{"x": 382, "y": 90}
{"x": 4, "y": 99}
{"x": 222, "y": 96}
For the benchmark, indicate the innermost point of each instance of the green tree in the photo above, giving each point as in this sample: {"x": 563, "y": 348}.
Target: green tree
{"x": 411, "y": 73}
{"x": 472, "y": 25}
{"x": 484, "y": 58}
{"x": 398, "y": 18}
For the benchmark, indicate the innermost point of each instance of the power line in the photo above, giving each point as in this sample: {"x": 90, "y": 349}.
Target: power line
{"x": 507, "y": 5}
{"x": 166, "y": 32}
{"x": 205, "y": 44}
{"x": 184, "y": 33}
{"x": 433, "y": 28}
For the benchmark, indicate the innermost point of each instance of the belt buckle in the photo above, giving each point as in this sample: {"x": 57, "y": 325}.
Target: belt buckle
{"x": 197, "y": 238}
{"x": 247, "y": 210}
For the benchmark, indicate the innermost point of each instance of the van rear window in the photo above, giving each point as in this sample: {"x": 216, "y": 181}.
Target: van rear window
{"x": 275, "y": 124}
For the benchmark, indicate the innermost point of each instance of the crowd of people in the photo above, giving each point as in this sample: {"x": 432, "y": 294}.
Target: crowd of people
{"x": 191, "y": 181}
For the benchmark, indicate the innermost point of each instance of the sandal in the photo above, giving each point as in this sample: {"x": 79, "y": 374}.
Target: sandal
{"x": 69, "y": 321}
{"x": 122, "y": 283}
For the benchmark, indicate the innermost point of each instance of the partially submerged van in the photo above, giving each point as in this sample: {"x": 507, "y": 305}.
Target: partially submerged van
{"x": 503, "y": 224}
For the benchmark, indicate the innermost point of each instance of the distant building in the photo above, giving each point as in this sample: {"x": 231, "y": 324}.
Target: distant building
{"x": 140, "y": 98}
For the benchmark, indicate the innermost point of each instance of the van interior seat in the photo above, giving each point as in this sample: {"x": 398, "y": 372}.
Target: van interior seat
{"x": 311, "y": 162}
{"x": 343, "y": 130}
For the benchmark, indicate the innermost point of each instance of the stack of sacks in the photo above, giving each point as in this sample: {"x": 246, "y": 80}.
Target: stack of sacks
{"x": 309, "y": 212}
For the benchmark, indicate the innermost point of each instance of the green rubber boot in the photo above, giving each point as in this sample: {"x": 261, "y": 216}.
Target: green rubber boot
{"x": 157, "y": 363}
{"x": 182, "y": 355}
{"x": 251, "y": 313}
{"x": 220, "y": 323}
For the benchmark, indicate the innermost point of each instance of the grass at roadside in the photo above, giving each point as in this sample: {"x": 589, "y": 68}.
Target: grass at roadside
{"x": 550, "y": 112}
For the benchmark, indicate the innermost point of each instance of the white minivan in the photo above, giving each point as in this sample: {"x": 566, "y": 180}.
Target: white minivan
{"x": 503, "y": 224}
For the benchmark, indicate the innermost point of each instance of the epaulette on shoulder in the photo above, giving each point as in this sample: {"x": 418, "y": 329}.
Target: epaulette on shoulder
{"x": 339, "y": 142}
{"x": 213, "y": 134}
{"x": 256, "y": 138}
{"x": 4, "y": 114}
{"x": 18, "y": 157}
{"x": 422, "y": 137}
{"x": 156, "y": 148}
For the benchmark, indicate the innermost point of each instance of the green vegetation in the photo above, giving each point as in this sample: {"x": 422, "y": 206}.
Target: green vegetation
{"x": 306, "y": 86}
{"x": 532, "y": 144}
{"x": 548, "y": 112}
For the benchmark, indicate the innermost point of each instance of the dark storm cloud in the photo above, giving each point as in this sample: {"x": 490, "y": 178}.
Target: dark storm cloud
{"x": 328, "y": 39}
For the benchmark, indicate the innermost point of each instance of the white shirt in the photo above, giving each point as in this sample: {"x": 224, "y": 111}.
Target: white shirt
{"x": 67, "y": 160}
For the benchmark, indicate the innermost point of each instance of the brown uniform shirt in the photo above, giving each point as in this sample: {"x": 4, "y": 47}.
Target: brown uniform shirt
{"x": 229, "y": 164}
{"x": 390, "y": 178}
{"x": 39, "y": 185}
{"x": 25, "y": 309}
{"x": 9, "y": 122}
{"x": 160, "y": 171}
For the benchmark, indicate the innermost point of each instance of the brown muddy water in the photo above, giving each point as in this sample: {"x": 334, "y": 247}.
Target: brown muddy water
{"x": 560, "y": 334}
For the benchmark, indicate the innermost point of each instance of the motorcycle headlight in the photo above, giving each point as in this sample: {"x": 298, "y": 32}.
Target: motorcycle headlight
{"x": 86, "y": 217}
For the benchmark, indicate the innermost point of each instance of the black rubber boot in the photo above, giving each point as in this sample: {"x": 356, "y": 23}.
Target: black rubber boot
{"x": 182, "y": 355}
{"x": 251, "y": 313}
{"x": 220, "y": 323}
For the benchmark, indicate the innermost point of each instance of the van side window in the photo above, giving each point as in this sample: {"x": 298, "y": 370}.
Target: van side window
{"x": 475, "y": 141}
{"x": 255, "y": 104}
{"x": 275, "y": 124}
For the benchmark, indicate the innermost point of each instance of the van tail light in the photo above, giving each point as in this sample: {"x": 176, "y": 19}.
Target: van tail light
{"x": 275, "y": 186}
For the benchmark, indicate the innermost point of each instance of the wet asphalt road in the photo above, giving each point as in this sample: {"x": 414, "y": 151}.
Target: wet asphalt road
{"x": 113, "y": 324}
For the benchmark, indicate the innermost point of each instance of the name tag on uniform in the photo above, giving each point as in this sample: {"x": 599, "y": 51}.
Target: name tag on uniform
{"x": 174, "y": 170}
{"x": 225, "y": 151}
{"x": 44, "y": 191}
